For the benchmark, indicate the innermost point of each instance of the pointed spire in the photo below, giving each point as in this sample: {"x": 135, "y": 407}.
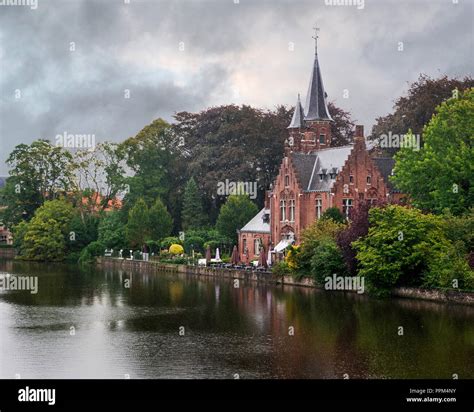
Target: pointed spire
{"x": 316, "y": 105}
{"x": 297, "y": 121}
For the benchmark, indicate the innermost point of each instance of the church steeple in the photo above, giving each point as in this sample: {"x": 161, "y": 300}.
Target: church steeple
{"x": 297, "y": 121}
{"x": 316, "y": 106}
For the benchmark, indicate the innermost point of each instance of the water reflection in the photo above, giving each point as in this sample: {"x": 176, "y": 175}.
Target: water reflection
{"x": 129, "y": 323}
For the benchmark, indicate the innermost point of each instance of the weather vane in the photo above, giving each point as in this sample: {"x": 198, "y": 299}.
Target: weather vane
{"x": 316, "y": 37}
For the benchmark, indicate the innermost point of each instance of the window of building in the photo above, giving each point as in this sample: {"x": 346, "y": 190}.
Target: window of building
{"x": 322, "y": 138}
{"x": 256, "y": 246}
{"x": 292, "y": 210}
{"x": 351, "y": 179}
{"x": 319, "y": 207}
{"x": 346, "y": 206}
{"x": 244, "y": 245}
{"x": 287, "y": 181}
{"x": 282, "y": 210}
{"x": 369, "y": 179}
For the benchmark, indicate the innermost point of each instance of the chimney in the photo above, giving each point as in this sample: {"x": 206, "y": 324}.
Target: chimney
{"x": 359, "y": 131}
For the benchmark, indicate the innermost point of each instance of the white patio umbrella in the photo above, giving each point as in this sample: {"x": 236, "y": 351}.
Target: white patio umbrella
{"x": 218, "y": 255}
{"x": 269, "y": 257}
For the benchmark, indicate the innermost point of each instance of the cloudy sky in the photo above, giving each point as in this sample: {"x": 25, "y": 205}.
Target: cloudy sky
{"x": 66, "y": 65}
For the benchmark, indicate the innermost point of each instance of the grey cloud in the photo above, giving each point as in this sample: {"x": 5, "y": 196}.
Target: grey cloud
{"x": 83, "y": 92}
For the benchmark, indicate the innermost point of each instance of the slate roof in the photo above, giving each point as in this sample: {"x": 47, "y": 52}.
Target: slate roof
{"x": 316, "y": 107}
{"x": 385, "y": 166}
{"x": 297, "y": 121}
{"x": 3, "y": 181}
{"x": 309, "y": 166}
{"x": 256, "y": 224}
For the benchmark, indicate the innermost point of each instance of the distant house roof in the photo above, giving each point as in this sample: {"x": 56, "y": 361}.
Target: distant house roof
{"x": 257, "y": 224}
{"x": 3, "y": 181}
{"x": 385, "y": 166}
{"x": 309, "y": 166}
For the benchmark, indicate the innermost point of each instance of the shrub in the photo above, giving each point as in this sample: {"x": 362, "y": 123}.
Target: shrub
{"x": 405, "y": 248}
{"x": 176, "y": 249}
{"x": 153, "y": 245}
{"x": 326, "y": 261}
{"x": 293, "y": 257}
{"x": 324, "y": 229}
{"x": 168, "y": 241}
{"x": 448, "y": 268}
{"x": 193, "y": 242}
{"x": 281, "y": 269}
{"x": 333, "y": 213}
{"x": 91, "y": 251}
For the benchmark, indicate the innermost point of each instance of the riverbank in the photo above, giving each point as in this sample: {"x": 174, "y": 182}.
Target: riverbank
{"x": 436, "y": 295}
{"x": 7, "y": 253}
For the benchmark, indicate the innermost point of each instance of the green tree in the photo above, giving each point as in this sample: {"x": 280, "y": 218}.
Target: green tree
{"x": 440, "y": 175}
{"x": 160, "y": 221}
{"x": 234, "y": 214}
{"x": 137, "y": 230}
{"x": 321, "y": 231}
{"x": 158, "y": 170}
{"x": 82, "y": 230}
{"x": 91, "y": 252}
{"x": 414, "y": 110}
{"x": 45, "y": 236}
{"x": 111, "y": 231}
{"x": 192, "y": 215}
{"x": 38, "y": 172}
{"x": 404, "y": 247}
{"x": 326, "y": 261}
{"x": 333, "y": 213}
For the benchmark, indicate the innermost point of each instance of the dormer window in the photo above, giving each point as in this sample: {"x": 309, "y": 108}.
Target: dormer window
{"x": 322, "y": 138}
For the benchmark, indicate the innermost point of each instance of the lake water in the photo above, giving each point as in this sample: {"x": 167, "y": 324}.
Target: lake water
{"x": 88, "y": 324}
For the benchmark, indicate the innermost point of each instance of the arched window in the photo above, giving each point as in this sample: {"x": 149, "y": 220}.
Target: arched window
{"x": 282, "y": 210}
{"x": 256, "y": 246}
{"x": 292, "y": 210}
{"x": 319, "y": 207}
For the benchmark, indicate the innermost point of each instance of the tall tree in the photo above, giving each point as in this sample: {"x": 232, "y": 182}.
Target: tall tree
{"x": 137, "y": 230}
{"x": 234, "y": 214}
{"x": 39, "y": 172}
{"x": 160, "y": 221}
{"x": 414, "y": 111}
{"x": 238, "y": 143}
{"x": 112, "y": 231}
{"x": 440, "y": 175}
{"x": 342, "y": 128}
{"x": 155, "y": 167}
{"x": 100, "y": 175}
{"x": 192, "y": 215}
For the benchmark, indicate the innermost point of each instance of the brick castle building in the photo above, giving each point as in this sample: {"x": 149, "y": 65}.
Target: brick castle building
{"x": 315, "y": 176}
